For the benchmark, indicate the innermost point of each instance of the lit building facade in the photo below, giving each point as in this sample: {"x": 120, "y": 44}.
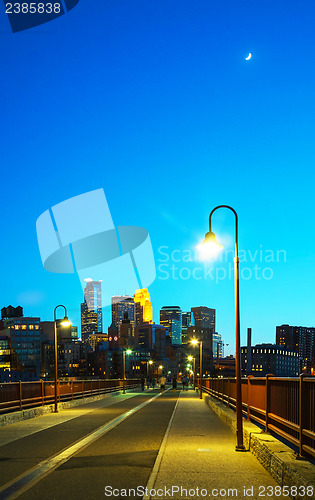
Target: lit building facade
{"x": 122, "y": 304}
{"x": 217, "y": 345}
{"x": 25, "y": 340}
{"x": 300, "y": 339}
{"x": 186, "y": 323}
{"x": 91, "y": 309}
{"x": 204, "y": 317}
{"x": 278, "y": 360}
{"x": 171, "y": 318}
{"x": 143, "y": 307}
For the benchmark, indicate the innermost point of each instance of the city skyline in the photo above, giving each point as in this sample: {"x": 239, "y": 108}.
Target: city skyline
{"x": 196, "y": 121}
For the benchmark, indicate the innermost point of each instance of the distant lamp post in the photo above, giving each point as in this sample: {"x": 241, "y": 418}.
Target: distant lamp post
{"x": 192, "y": 358}
{"x": 128, "y": 352}
{"x": 149, "y": 363}
{"x": 64, "y": 322}
{"x": 196, "y": 342}
{"x": 210, "y": 247}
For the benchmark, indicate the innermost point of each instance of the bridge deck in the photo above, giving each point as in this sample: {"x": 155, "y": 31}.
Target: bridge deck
{"x": 123, "y": 443}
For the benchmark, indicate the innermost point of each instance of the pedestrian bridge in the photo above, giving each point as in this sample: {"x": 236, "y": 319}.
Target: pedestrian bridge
{"x": 133, "y": 445}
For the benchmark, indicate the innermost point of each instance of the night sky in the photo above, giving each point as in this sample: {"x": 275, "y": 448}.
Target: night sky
{"x": 154, "y": 101}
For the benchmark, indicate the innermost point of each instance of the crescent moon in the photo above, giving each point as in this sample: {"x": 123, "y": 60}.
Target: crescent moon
{"x": 248, "y": 57}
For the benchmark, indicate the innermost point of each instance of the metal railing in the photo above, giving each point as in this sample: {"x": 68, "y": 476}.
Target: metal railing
{"x": 15, "y": 396}
{"x": 284, "y": 406}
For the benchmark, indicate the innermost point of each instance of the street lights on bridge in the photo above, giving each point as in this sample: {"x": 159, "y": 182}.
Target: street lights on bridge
{"x": 193, "y": 358}
{"x": 196, "y": 342}
{"x": 128, "y": 352}
{"x": 149, "y": 363}
{"x": 211, "y": 247}
{"x": 64, "y": 322}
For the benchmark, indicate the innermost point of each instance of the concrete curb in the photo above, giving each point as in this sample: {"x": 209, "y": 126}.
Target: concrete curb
{"x": 277, "y": 458}
{"x": 18, "y": 416}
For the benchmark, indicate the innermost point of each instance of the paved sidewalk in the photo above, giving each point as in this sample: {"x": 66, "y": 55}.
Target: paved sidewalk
{"x": 200, "y": 453}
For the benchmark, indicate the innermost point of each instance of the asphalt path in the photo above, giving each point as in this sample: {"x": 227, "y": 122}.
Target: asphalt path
{"x": 120, "y": 459}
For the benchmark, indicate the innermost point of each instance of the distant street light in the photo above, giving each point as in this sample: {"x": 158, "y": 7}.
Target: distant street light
{"x": 192, "y": 358}
{"x": 150, "y": 362}
{"x": 64, "y": 322}
{"x": 196, "y": 342}
{"x": 210, "y": 247}
{"x": 125, "y": 351}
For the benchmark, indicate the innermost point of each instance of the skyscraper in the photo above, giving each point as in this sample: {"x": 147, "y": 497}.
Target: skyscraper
{"x": 301, "y": 339}
{"x": 91, "y": 309}
{"x": 204, "y": 317}
{"x": 171, "y": 318}
{"x": 217, "y": 345}
{"x": 122, "y": 304}
{"x": 186, "y": 322}
{"x": 143, "y": 307}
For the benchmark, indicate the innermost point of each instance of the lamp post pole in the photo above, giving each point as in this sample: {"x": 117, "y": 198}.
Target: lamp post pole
{"x": 124, "y": 371}
{"x": 239, "y": 417}
{"x": 200, "y": 355}
{"x": 56, "y": 353}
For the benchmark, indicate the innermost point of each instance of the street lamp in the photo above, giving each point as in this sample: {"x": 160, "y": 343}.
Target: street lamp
{"x": 150, "y": 362}
{"x": 210, "y": 247}
{"x": 125, "y": 351}
{"x": 64, "y": 322}
{"x": 196, "y": 342}
{"x": 192, "y": 358}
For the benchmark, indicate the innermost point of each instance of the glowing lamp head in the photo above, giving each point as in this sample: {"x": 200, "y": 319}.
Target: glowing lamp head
{"x": 190, "y": 358}
{"x": 209, "y": 247}
{"x": 128, "y": 351}
{"x": 150, "y": 362}
{"x": 65, "y": 321}
{"x": 194, "y": 342}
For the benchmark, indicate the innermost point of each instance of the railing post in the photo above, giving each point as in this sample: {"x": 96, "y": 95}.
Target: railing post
{"x": 42, "y": 390}
{"x": 91, "y": 387}
{"x": 249, "y": 394}
{"x": 267, "y": 400}
{"x": 99, "y": 386}
{"x": 71, "y": 385}
{"x": 82, "y": 389}
{"x": 228, "y": 391}
{"x": 302, "y": 414}
{"x": 20, "y": 393}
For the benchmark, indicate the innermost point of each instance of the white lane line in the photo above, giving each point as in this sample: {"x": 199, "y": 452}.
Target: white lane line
{"x": 157, "y": 463}
{"x": 25, "y": 481}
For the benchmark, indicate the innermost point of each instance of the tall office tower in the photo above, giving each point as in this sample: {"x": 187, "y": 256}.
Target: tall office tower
{"x": 217, "y": 345}
{"x": 171, "y": 318}
{"x": 204, "y": 317}
{"x": 186, "y": 322}
{"x": 122, "y": 304}
{"x": 302, "y": 340}
{"x": 143, "y": 307}
{"x": 91, "y": 309}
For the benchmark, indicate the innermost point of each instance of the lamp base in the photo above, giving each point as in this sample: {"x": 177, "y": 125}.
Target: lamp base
{"x": 240, "y": 448}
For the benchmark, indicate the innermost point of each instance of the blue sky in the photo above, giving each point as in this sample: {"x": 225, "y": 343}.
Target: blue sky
{"x": 154, "y": 102}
